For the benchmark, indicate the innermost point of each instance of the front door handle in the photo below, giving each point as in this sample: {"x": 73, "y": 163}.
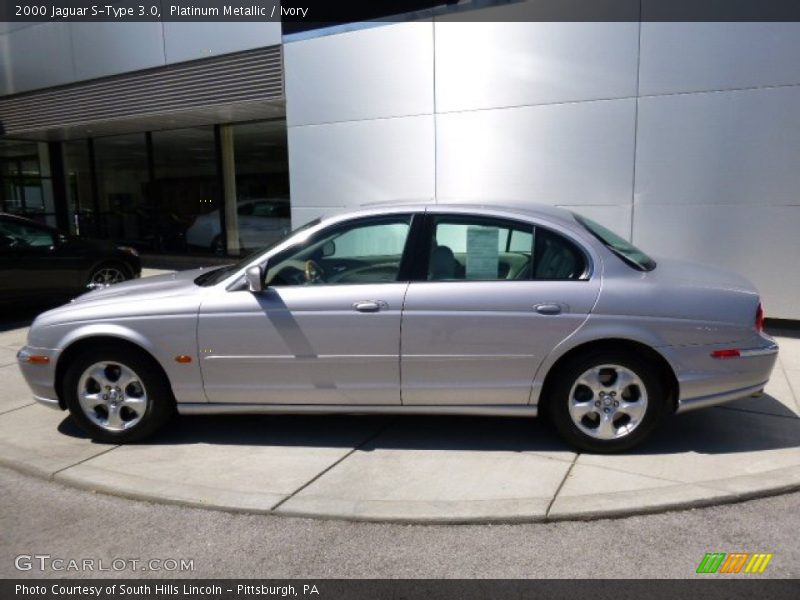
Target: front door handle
{"x": 369, "y": 305}
{"x": 547, "y": 309}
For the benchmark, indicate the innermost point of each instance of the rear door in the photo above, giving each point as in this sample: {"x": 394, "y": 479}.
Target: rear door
{"x": 493, "y": 299}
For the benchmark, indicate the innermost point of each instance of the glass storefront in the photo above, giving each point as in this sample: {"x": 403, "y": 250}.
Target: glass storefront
{"x": 26, "y": 187}
{"x": 124, "y": 206}
{"x": 262, "y": 183}
{"x": 79, "y": 188}
{"x": 185, "y": 184}
{"x": 162, "y": 191}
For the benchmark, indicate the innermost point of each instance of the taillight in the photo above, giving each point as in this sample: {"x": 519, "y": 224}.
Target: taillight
{"x": 760, "y": 318}
{"x": 727, "y": 353}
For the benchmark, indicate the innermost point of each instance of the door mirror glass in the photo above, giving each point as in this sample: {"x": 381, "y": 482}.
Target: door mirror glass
{"x": 255, "y": 279}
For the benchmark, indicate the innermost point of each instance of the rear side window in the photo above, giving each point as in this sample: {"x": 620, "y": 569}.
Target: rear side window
{"x": 487, "y": 249}
{"x": 555, "y": 257}
{"x": 629, "y": 253}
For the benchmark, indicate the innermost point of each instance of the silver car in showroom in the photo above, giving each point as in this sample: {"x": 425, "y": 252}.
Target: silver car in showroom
{"x": 435, "y": 309}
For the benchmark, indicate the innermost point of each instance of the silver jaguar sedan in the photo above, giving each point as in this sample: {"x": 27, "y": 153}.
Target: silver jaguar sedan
{"x": 446, "y": 309}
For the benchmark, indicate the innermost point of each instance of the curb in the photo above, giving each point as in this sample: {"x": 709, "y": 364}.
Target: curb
{"x": 784, "y": 485}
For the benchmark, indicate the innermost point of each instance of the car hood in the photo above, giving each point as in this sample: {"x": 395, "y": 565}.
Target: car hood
{"x": 148, "y": 288}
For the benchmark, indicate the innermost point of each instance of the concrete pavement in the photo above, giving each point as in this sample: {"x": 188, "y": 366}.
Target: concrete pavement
{"x": 417, "y": 469}
{"x": 37, "y": 516}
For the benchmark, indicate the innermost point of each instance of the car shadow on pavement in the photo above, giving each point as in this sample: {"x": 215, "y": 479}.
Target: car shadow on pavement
{"x": 709, "y": 431}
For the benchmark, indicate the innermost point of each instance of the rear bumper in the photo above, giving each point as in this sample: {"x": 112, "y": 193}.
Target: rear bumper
{"x": 706, "y": 381}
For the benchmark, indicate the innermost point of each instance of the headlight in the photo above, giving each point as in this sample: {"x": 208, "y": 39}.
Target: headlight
{"x": 128, "y": 250}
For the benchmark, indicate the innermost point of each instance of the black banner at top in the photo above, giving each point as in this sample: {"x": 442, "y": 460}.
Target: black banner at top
{"x": 298, "y": 15}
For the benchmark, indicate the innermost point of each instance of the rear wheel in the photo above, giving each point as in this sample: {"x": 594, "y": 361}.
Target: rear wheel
{"x": 607, "y": 402}
{"x": 117, "y": 394}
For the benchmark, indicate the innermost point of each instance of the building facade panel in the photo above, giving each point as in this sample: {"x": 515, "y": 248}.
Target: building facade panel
{"x": 36, "y": 57}
{"x": 193, "y": 40}
{"x": 103, "y": 49}
{"x": 721, "y": 148}
{"x": 573, "y": 154}
{"x": 694, "y": 57}
{"x": 758, "y": 241}
{"x": 373, "y": 73}
{"x": 488, "y": 65}
{"x": 353, "y": 163}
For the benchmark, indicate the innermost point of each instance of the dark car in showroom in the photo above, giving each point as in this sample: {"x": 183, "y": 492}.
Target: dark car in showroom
{"x": 42, "y": 265}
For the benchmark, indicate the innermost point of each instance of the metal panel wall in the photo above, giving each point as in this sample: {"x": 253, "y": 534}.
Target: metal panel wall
{"x": 374, "y": 73}
{"x": 352, "y": 163}
{"x": 36, "y": 56}
{"x": 351, "y": 101}
{"x": 223, "y": 81}
{"x": 689, "y": 145}
{"x": 190, "y": 41}
{"x": 492, "y": 65}
{"x": 43, "y": 55}
{"x": 696, "y": 57}
{"x": 103, "y": 49}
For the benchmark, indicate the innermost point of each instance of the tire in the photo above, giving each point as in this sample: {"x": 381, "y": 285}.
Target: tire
{"x": 606, "y": 402}
{"x": 108, "y": 273}
{"x": 117, "y": 394}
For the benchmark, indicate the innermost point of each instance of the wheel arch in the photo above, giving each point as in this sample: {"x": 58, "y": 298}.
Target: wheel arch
{"x": 665, "y": 370}
{"x": 77, "y": 345}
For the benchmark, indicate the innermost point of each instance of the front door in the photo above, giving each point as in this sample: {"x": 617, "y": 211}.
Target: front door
{"x": 326, "y": 330}
{"x": 497, "y": 297}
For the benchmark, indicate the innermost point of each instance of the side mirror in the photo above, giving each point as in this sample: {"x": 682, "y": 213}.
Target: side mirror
{"x": 255, "y": 279}
{"x": 328, "y": 249}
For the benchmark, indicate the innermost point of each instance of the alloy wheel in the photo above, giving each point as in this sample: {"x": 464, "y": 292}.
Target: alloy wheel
{"x": 608, "y": 402}
{"x": 112, "y": 396}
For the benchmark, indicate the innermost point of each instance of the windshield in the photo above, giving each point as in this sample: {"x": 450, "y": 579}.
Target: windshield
{"x": 619, "y": 246}
{"x": 214, "y": 276}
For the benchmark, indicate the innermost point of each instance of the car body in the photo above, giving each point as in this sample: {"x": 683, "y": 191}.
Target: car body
{"x": 448, "y": 309}
{"x": 40, "y": 264}
{"x": 262, "y": 222}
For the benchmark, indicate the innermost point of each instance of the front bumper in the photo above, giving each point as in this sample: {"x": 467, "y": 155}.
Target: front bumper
{"x": 41, "y": 375}
{"x": 707, "y": 381}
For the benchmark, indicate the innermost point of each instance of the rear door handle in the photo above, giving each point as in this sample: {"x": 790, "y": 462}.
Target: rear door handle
{"x": 547, "y": 309}
{"x": 369, "y": 305}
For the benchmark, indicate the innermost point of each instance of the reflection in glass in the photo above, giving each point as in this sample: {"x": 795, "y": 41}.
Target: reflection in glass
{"x": 25, "y": 175}
{"x": 78, "y": 175}
{"x": 262, "y": 183}
{"x": 125, "y": 210}
{"x": 187, "y": 187}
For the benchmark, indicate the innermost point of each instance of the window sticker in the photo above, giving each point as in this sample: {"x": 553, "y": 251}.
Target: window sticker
{"x": 483, "y": 257}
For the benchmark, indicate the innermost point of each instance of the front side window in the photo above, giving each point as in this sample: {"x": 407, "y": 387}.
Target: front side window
{"x": 363, "y": 252}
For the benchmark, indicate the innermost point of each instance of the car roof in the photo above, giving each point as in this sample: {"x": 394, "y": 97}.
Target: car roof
{"x": 546, "y": 211}
{"x": 25, "y": 220}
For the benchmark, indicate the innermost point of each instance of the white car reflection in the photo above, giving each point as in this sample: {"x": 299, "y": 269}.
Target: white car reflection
{"x": 262, "y": 221}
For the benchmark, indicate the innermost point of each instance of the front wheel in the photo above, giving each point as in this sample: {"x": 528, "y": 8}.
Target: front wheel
{"x": 108, "y": 274}
{"x": 607, "y": 402}
{"x": 117, "y": 395}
